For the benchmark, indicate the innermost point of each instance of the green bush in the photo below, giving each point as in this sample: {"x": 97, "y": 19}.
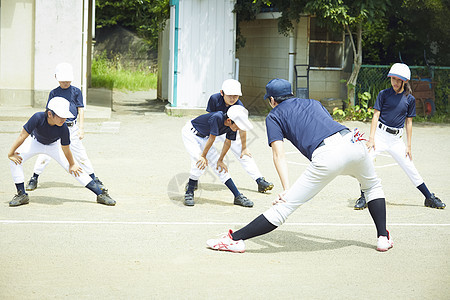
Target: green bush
{"x": 361, "y": 112}
{"x": 112, "y": 74}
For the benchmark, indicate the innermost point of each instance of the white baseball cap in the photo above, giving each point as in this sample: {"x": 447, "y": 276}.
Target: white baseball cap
{"x": 239, "y": 115}
{"x": 64, "y": 72}
{"x": 60, "y": 106}
{"x": 231, "y": 87}
{"x": 400, "y": 71}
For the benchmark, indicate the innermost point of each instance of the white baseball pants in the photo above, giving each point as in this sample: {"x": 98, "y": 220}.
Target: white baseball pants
{"x": 395, "y": 146}
{"x": 339, "y": 156}
{"x": 194, "y": 146}
{"x": 247, "y": 162}
{"x": 32, "y": 147}
{"x": 78, "y": 152}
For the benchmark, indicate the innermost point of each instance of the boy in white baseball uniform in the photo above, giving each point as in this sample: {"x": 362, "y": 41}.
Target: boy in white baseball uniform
{"x": 64, "y": 75}
{"x": 47, "y": 133}
{"x": 199, "y": 135}
{"x": 222, "y": 101}
{"x": 395, "y": 108}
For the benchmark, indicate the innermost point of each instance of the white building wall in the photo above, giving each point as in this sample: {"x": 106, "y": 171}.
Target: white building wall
{"x": 206, "y": 50}
{"x": 58, "y": 38}
{"x": 16, "y": 52}
{"x": 36, "y": 35}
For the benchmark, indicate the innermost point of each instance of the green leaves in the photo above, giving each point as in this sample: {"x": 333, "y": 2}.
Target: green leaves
{"x": 145, "y": 17}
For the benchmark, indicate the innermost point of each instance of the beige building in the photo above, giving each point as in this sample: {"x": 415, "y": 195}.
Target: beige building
{"x": 36, "y": 35}
{"x": 311, "y": 58}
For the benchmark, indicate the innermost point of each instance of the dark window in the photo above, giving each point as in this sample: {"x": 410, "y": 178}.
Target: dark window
{"x": 326, "y": 47}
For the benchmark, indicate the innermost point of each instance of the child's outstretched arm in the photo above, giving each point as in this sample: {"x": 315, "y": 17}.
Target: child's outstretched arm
{"x": 12, "y": 154}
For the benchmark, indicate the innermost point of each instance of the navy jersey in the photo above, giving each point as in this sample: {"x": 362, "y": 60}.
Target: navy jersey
{"x": 213, "y": 123}
{"x": 304, "y": 122}
{"x": 38, "y": 127}
{"x": 73, "y": 94}
{"x": 217, "y": 103}
{"x": 395, "y": 108}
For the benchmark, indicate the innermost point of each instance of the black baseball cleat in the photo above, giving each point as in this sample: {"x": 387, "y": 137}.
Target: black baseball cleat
{"x": 32, "y": 184}
{"x": 105, "y": 199}
{"x": 243, "y": 201}
{"x": 360, "y": 203}
{"x": 264, "y": 186}
{"x": 19, "y": 199}
{"x": 189, "y": 199}
{"x": 434, "y": 202}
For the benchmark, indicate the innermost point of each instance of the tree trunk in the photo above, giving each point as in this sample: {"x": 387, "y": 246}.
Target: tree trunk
{"x": 357, "y": 62}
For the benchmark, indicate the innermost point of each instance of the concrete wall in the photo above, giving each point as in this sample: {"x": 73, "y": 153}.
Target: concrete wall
{"x": 266, "y": 56}
{"x": 36, "y": 35}
{"x": 16, "y": 52}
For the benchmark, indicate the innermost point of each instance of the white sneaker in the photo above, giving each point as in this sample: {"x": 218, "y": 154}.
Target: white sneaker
{"x": 384, "y": 243}
{"x": 226, "y": 243}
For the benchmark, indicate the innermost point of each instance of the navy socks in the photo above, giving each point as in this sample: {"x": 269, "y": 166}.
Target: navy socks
{"x": 230, "y": 184}
{"x": 377, "y": 209}
{"x": 20, "y": 188}
{"x": 258, "y": 226}
{"x": 94, "y": 187}
{"x": 191, "y": 185}
{"x": 423, "y": 188}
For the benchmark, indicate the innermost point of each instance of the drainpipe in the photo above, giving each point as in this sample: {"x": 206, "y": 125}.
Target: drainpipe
{"x": 292, "y": 54}
{"x": 176, "y": 4}
{"x": 236, "y": 68}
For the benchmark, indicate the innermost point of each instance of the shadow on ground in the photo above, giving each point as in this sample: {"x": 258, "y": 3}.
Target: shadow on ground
{"x": 288, "y": 241}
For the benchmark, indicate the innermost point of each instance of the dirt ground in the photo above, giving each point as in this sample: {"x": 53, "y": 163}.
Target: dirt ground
{"x": 150, "y": 246}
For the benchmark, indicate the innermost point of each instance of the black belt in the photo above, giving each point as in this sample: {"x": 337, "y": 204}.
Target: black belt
{"x": 389, "y": 130}
{"x": 342, "y": 132}
{"x": 195, "y": 131}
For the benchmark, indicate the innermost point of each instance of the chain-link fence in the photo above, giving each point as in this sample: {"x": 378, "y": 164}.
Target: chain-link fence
{"x": 434, "y": 83}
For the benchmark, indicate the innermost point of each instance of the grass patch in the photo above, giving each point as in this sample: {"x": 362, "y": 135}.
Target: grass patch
{"x": 111, "y": 74}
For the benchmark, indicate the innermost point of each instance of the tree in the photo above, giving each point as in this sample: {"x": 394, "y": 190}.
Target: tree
{"x": 347, "y": 15}
{"x": 145, "y": 17}
{"x": 417, "y": 31}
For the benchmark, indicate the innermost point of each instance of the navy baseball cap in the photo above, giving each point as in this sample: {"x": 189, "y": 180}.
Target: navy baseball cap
{"x": 278, "y": 87}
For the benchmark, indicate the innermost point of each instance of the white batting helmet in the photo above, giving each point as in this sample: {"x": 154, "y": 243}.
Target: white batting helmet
{"x": 401, "y": 71}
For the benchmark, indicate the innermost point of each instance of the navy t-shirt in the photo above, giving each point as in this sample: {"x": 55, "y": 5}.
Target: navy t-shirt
{"x": 38, "y": 127}
{"x": 304, "y": 122}
{"x": 395, "y": 108}
{"x": 213, "y": 123}
{"x": 217, "y": 103}
{"x": 73, "y": 94}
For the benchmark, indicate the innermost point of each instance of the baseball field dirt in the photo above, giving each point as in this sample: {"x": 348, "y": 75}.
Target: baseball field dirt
{"x": 150, "y": 246}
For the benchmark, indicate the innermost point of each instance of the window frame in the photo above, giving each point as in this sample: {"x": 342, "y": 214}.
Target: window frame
{"x": 327, "y": 42}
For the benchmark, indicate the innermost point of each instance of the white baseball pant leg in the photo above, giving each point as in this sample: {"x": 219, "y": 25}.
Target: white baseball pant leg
{"x": 247, "y": 162}
{"x": 78, "y": 152}
{"x": 339, "y": 156}
{"x": 194, "y": 146}
{"x": 395, "y": 146}
{"x": 32, "y": 147}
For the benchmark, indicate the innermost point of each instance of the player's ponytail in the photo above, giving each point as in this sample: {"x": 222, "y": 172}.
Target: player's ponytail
{"x": 407, "y": 88}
